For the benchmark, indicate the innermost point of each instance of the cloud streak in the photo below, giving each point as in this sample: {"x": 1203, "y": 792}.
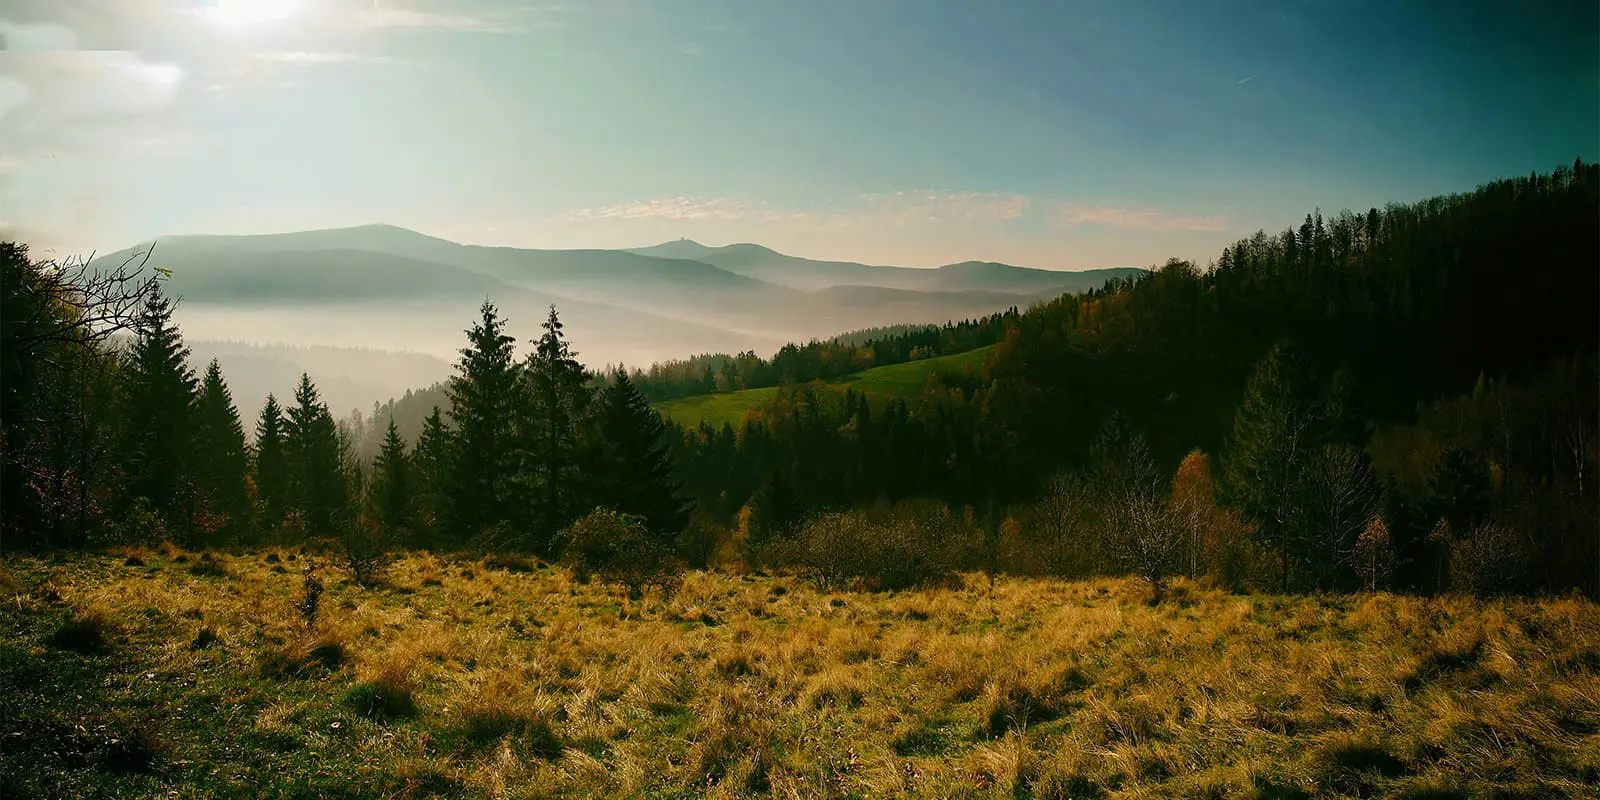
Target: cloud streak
{"x": 683, "y": 208}
{"x": 927, "y": 205}
{"x": 386, "y": 16}
{"x": 310, "y": 57}
{"x": 1071, "y": 214}
{"x": 906, "y": 209}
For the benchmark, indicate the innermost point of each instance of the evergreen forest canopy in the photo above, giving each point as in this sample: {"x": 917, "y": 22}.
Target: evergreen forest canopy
{"x": 1406, "y": 398}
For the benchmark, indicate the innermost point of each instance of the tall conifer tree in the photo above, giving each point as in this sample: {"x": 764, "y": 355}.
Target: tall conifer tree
{"x": 158, "y": 419}
{"x": 557, "y": 399}
{"x": 222, "y": 462}
{"x": 271, "y": 470}
{"x": 636, "y": 471}
{"x": 317, "y": 475}
{"x": 482, "y": 394}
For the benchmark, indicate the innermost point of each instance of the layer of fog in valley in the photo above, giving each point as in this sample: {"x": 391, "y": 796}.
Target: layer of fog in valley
{"x": 375, "y": 310}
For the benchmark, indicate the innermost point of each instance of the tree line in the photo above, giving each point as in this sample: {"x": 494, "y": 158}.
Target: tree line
{"x": 1289, "y": 373}
{"x": 1404, "y": 398}
{"x": 817, "y": 359}
{"x": 110, "y": 436}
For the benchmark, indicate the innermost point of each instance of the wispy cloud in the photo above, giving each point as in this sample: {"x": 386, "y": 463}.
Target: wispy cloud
{"x": 718, "y": 208}
{"x": 1135, "y": 218}
{"x": 387, "y": 16}
{"x": 22, "y": 37}
{"x": 1245, "y": 81}
{"x": 927, "y": 205}
{"x": 319, "y": 57}
{"x": 902, "y": 209}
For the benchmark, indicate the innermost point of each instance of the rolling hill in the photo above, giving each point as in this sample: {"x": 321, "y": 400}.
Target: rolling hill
{"x": 389, "y": 288}
{"x": 755, "y": 261}
{"x": 895, "y": 380}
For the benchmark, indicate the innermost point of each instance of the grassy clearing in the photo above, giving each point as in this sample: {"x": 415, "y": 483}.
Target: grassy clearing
{"x": 464, "y": 679}
{"x": 896, "y": 380}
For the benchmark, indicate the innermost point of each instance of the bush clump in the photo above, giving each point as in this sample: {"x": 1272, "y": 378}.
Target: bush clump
{"x": 618, "y": 548}
{"x": 906, "y": 547}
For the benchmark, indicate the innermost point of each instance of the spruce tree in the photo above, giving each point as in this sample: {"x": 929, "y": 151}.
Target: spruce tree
{"x": 636, "y": 475}
{"x": 271, "y": 470}
{"x": 158, "y": 415}
{"x": 317, "y": 475}
{"x": 1278, "y": 429}
{"x": 482, "y": 394}
{"x": 431, "y": 467}
{"x": 222, "y": 462}
{"x": 557, "y": 399}
{"x": 391, "y": 485}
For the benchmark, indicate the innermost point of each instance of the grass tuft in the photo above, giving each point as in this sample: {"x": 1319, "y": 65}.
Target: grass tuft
{"x": 209, "y": 566}
{"x": 80, "y": 635}
{"x": 381, "y": 699}
{"x": 205, "y": 639}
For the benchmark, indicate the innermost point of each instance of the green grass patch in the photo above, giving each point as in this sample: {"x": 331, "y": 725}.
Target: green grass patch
{"x": 895, "y": 380}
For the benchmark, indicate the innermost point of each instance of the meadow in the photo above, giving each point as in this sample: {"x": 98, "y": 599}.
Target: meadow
{"x": 895, "y": 380}
{"x": 162, "y": 673}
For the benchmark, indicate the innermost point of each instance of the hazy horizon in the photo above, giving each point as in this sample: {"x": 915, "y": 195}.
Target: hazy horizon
{"x": 914, "y": 134}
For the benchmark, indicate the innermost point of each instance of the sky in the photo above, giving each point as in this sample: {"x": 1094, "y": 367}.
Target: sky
{"x": 912, "y": 132}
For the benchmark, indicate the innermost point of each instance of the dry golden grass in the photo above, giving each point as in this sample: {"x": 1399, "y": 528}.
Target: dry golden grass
{"x": 521, "y": 683}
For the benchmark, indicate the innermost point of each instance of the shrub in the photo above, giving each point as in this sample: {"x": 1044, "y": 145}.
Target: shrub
{"x": 906, "y": 547}
{"x": 1492, "y": 560}
{"x": 141, "y": 525}
{"x": 618, "y": 548}
{"x": 365, "y": 552}
{"x": 1374, "y": 556}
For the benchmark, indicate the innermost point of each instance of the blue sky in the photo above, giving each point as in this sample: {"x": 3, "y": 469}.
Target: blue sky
{"x": 1053, "y": 133}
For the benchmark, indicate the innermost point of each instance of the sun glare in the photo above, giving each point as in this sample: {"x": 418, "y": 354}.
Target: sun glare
{"x": 244, "y": 13}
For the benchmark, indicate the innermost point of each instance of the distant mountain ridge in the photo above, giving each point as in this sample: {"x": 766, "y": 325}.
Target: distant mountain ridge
{"x": 757, "y": 261}
{"x": 382, "y": 286}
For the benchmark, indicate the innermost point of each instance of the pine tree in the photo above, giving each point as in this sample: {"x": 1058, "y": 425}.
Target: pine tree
{"x": 271, "y": 469}
{"x": 431, "y": 466}
{"x": 222, "y": 462}
{"x": 1282, "y": 423}
{"x": 550, "y": 425}
{"x": 637, "y": 472}
{"x": 482, "y": 393}
{"x": 158, "y": 416}
{"x": 319, "y": 488}
{"x": 391, "y": 485}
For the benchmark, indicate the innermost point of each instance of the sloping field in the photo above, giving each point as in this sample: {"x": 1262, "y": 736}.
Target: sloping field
{"x": 174, "y": 675}
{"x": 895, "y": 380}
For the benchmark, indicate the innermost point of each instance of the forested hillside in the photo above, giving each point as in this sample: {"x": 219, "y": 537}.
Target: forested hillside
{"x": 1298, "y": 361}
{"x": 1405, "y": 397}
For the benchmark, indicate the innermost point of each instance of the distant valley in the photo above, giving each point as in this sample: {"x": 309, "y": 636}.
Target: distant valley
{"x": 385, "y": 288}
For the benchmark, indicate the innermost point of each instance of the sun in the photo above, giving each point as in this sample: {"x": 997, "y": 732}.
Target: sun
{"x": 244, "y": 13}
